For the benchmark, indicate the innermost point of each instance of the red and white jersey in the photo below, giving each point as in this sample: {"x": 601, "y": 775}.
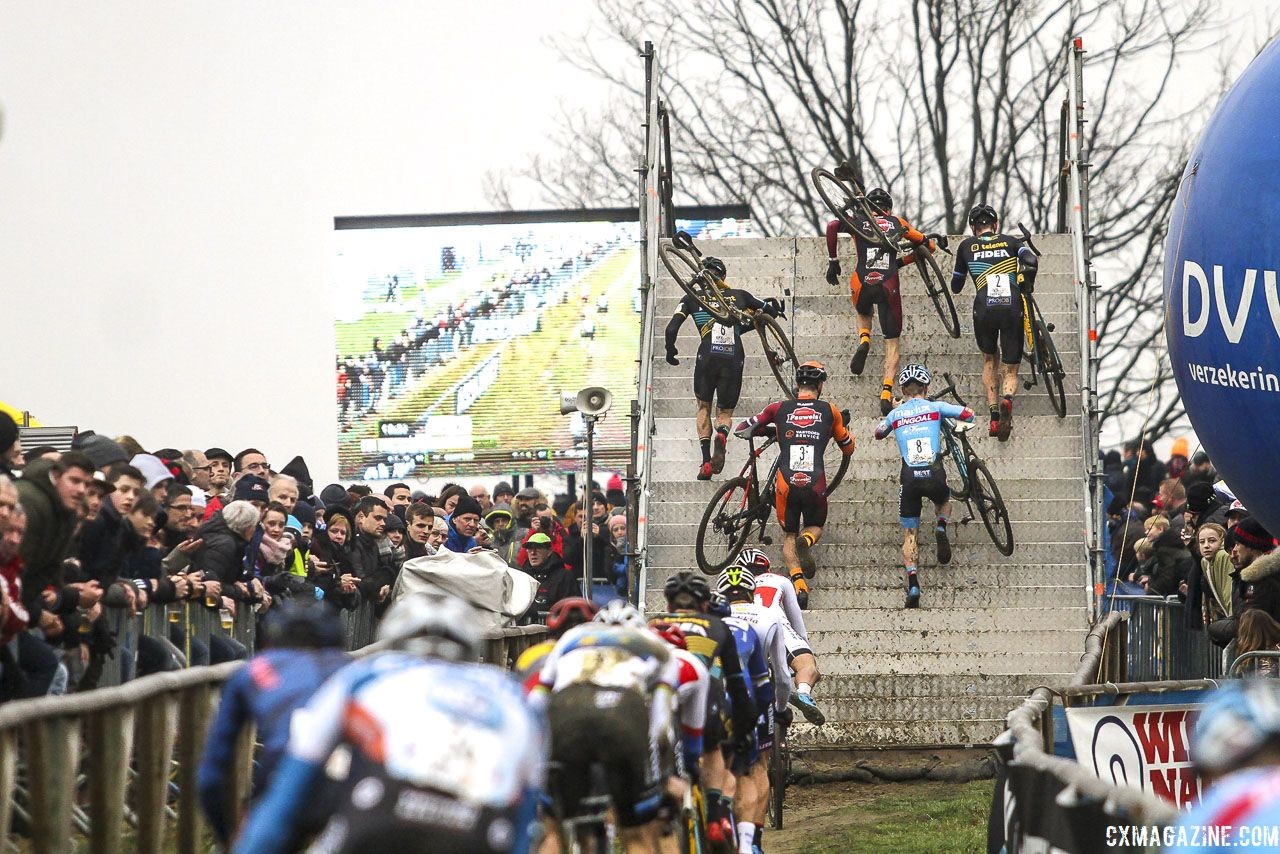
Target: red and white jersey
{"x": 777, "y": 592}
{"x": 691, "y": 695}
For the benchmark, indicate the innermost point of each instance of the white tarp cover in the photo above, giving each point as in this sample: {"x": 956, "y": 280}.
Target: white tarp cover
{"x": 483, "y": 579}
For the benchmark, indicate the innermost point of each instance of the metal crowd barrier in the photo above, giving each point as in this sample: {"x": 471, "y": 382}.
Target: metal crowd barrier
{"x": 1161, "y": 647}
{"x": 1259, "y": 663}
{"x": 117, "y": 765}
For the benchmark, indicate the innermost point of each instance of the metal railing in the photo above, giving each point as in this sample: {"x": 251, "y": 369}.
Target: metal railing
{"x": 1159, "y": 644}
{"x": 100, "y": 764}
{"x": 1030, "y": 731}
{"x": 1257, "y": 663}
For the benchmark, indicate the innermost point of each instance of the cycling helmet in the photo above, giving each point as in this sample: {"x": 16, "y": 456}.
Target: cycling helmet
{"x": 687, "y": 581}
{"x": 715, "y": 266}
{"x": 299, "y": 623}
{"x": 736, "y": 578}
{"x": 754, "y": 559}
{"x": 914, "y": 373}
{"x": 983, "y": 214}
{"x": 570, "y": 612}
{"x": 432, "y": 624}
{"x": 1238, "y": 720}
{"x": 619, "y": 612}
{"x": 811, "y": 374}
{"x": 671, "y": 633}
{"x": 719, "y": 605}
{"x": 880, "y": 198}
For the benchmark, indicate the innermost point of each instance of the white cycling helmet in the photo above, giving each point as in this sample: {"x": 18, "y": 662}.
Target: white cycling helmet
{"x": 754, "y": 558}
{"x": 434, "y": 625}
{"x": 1238, "y": 720}
{"x": 914, "y": 373}
{"x": 621, "y": 613}
{"x": 736, "y": 577}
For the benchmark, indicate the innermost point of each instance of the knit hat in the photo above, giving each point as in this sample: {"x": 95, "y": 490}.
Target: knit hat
{"x": 103, "y": 450}
{"x": 335, "y": 495}
{"x": 155, "y": 471}
{"x": 503, "y": 488}
{"x": 198, "y": 498}
{"x": 8, "y": 432}
{"x": 251, "y": 488}
{"x": 1249, "y": 532}
{"x": 292, "y": 524}
{"x": 538, "y": 540}
{"x": 394, "y": 522}
{"x": 1181, "y": 448}
{"x": 466, "y": 504}
{"x": 297, "y": 469}
{"x": 1200, "y": 497}
{"x": 304, "y": 512}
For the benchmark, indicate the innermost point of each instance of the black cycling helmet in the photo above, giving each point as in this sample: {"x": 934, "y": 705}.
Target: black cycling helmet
{"x": 715, "y": 266}
{"x": 688, "y": 581}
{"x": 299, "y": 623}
{"x": 983, "y": 214}
{"x": 880, "y": 197}
{"x": 811, "y": 374}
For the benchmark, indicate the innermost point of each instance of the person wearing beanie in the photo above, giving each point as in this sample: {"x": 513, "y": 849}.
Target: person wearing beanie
{"x": 157, "y": 474}
{"x": 335, "y": 495}
{"x": 503, "y": 493}
{"x": 464, "y": 523}
{"x": 10, "y": 446}
{"x": 617, "y": 498}
{"x": 103, "y": 450}
{"x": 1257, "y": 567}
{"x": 297, "y": 469}
{"x": 1178, "y": 457}
{"x": 253, "y": 489}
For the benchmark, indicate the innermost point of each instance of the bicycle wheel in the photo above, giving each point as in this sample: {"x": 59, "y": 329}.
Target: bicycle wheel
{"x": 935, "y": 284}
{"x": 840, "y": 472}
{"x": 991, "y": 506}
{"x": 1051, "y": 370}
{"x": 724, "y": 525}
{"x": 688, "y": 275}
{"x": 847, "y": 206}
{"x": 779, "y": 770}
{"x": 778, "y": 352}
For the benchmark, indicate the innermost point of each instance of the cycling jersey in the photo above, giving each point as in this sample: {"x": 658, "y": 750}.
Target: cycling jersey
{"x": 691, "y": 696}
{"x": 874, "y": 281}
{"x": 1240, "y": 809}
{"x": 1000, "y": 266}
{"x": 752, "y": 653}
{"x": 529, "y": 665}
{"x": 769, "y": 628}
{"x": 779, "y": 593}
{"x": 917, "y": 425}
{"x": 720, "y": 341}
{"x": 437, "y": 749}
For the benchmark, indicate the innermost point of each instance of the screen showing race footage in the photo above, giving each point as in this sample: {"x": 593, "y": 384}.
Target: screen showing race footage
{"x": 454, "y": 343}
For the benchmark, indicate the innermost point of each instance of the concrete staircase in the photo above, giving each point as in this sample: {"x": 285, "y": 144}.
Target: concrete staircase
{"x": 991, "y": 627}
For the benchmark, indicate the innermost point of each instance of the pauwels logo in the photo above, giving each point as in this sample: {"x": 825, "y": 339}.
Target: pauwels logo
{"x": 804, "y": 417}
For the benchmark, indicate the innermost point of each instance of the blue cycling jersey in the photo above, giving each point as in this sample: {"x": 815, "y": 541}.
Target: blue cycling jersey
{"x": 752, "y": 655}
{"x": 1240, "y": 810}
{"x": 917, "y": 425}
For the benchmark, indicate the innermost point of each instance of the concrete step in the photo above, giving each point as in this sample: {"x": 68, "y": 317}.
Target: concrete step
{"x": 839, "y": 602}
{"x": 886, "y": 556}
{"x": 851, "y": 495}
{"x": 973, "y": 686}
{"x": 879, "y": 654}
{"x": 903, "y": 734}
{"x": 998, "y": 619}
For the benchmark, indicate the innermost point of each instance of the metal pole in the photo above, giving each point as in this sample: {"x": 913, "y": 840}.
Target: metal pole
{"x": 584, "y": 525}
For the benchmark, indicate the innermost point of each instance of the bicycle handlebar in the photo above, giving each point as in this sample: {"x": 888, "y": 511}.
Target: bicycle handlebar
{"x": 1026, "y": 238}
{"x": 949, "y": 389}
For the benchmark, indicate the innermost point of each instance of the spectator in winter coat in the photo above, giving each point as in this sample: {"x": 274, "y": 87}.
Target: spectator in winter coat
{"x": 226, "y": 542}
{"x": 375, "y": 571}
{"x": 51, "y": 492}
{"x": 1258, "y": 567}
{"x": 100, "y": 539}
{"x": 501, "y": 523}
{"x": 463, "y": 523}
{"x": 555, "y": 582}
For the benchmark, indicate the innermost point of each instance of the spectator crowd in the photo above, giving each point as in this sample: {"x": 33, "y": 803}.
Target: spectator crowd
{"x": 1176, "y": 530}
{"x": 108, "y": 528}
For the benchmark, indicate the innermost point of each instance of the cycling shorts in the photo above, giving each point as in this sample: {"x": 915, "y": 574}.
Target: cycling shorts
{"x": 799, "y": 507}
{"x": 718, "y": 378}
{"x": 881, "y": 293}
{"x": 795, "y": 644}
{"x": 381, "y": 813}
{"x": 716, "y": 729}
{"x": 607, "y": 727}
{"x": 918, "y": 484}
{"x": 999, "y": 330}
{"x": 765, "y": 729}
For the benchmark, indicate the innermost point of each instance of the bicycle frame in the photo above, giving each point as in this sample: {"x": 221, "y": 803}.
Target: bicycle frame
{"x": 754, "y": 495}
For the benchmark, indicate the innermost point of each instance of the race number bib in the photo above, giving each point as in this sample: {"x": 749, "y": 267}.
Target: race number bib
{"x": 721, "y": 335}
{"x": 801, "y": 458}
{"x": 999, "y": 289}
{"x": 920, "y": 452}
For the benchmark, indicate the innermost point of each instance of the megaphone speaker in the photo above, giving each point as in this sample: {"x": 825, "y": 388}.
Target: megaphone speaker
{"x": 594, "y": 400}
{"x": 568, "y": 402}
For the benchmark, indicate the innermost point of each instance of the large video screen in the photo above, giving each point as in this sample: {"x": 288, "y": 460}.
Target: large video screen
{"x": 455, "y": 342}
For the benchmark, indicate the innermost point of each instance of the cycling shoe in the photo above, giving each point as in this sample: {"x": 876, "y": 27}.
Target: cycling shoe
{"x": 808, "y": 708}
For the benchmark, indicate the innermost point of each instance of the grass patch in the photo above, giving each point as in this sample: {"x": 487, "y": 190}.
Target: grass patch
{"x": 932, "y": 818}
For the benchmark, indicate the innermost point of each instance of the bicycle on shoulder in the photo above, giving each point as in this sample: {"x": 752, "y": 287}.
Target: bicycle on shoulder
{"x": 843, "y": 193}
{"x": 973, "y": 483}
{"x": 1041, "y": 352}
{"x": 702, "y": 277}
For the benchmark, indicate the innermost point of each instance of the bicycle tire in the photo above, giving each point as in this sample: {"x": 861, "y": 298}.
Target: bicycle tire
{"x": 687, "y": 273}
{"x": 779, "y": 353}
{"x": 991, "y": 507}
{"x": 847, "y": 208}
{"x": 1051, "y": 371}
{"x": 735, "y": 525}
{"x": 778, "y": 773}
{"x": 935, "y": 284}
{"x": 840, "y": 473}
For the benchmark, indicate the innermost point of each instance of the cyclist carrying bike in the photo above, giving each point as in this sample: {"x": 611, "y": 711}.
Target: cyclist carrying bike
{"x": 777, "y": 593}
{"x": 731, "y": 713}
{"x": 717, "y": 372}
{"x": 917, "y": 424}
{"x": 441, "y": 747}
{"x": 760, "y": 630}
{"x": 803, "y": 428}
{"x": 874, "y": 284}
{"x": 609, "y": 688}
{"x": 1003, "y": 268}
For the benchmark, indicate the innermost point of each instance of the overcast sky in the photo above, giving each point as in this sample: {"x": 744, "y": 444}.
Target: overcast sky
{"x": 169, "y": 172}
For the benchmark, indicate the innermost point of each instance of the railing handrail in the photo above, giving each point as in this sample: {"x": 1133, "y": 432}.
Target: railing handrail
{"x": 1246, "y": 657}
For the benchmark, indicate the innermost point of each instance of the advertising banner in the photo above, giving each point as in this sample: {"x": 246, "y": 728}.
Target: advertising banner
{"x": 1143, "y": 747}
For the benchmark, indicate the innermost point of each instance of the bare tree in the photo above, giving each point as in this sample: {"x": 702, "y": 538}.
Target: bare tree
{"x": 945, "y": 102}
